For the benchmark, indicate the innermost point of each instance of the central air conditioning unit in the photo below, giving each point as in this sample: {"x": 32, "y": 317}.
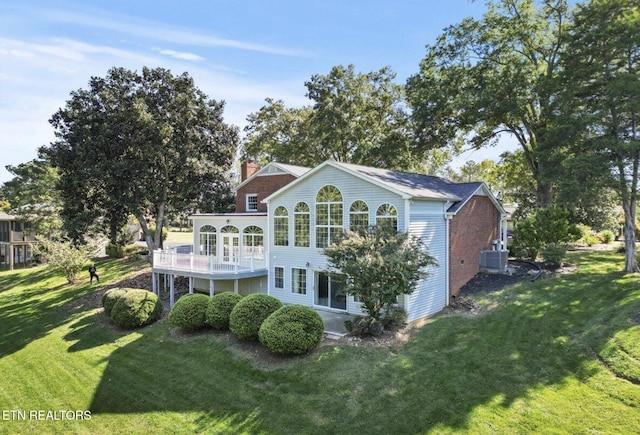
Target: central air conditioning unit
{"x": 495, "y": 261}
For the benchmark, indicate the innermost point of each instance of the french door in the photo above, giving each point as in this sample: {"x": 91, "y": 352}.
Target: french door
{"x": 230, "y": 248}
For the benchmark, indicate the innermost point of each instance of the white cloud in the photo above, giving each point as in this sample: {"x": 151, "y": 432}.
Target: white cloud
{"x": 180, "y": 55}
{"x": 36, "y": 79}
{"x": 161, "y": 32}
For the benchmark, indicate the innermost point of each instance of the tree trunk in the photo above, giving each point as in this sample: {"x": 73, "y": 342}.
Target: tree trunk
{"x": 147, "y": 234}
{"x": 544, "y": 194}
{"x": 630, "y": 262}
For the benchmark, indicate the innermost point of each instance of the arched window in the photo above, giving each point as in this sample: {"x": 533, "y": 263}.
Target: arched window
{"x": 387, "y": 215}
{"x": 281, "y": 226}
{"x": 358, "y": 216}
{"x": 208, "y": 240}
{"x": 328, "y": 216}
{"x": 253, "y": 241}
{"x": 301, "y": 228}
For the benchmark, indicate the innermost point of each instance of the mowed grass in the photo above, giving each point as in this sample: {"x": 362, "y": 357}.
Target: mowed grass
{"x": 176, "y": 236}
{"x": 561, "y": 355}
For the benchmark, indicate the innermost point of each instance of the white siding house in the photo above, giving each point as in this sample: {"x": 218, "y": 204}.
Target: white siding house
{"x": 305, "y": 215}
{"x": 337, "y": 195}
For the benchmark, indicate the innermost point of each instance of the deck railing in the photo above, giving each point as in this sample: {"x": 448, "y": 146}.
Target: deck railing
{"x": 170, "y": 260}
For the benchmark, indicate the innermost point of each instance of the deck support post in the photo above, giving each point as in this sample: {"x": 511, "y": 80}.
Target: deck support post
{"x": 235, "y": 286}
{"x": 211, "y": 287}
{"x": 172, "y": 290}
{"x": 190, "y": 285}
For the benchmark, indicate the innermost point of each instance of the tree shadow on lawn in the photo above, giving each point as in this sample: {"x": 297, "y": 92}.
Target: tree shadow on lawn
{"x": 540, "y": 334}
{"x": 28, "y": 315}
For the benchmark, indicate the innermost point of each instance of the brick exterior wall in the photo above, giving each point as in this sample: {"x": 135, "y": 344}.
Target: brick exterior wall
{"x": 472, "y": 230}
{"x": 263, "y": 185}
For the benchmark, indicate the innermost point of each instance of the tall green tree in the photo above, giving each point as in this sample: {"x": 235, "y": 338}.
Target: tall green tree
{"x": 601, "y": 105}
{"x": 491, "y": 77}
{"x": 380, "y": 265}
{"x": 353, "y": 117}
{"x": 30, "y": 195}
{"x": 140, "y": 144}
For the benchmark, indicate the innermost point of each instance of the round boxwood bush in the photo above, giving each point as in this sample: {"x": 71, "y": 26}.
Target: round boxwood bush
{"x": 110, "y": 297}
{"x": 188, "y": 313}
{"x": 249, "y": 313}
{"x": 292, "y": 330}
{"x": 136, "y": 308}
{"x": 219, "y": 309}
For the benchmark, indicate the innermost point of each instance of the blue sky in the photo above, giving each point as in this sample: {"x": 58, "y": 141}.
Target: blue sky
{"x": 238, "y": 51}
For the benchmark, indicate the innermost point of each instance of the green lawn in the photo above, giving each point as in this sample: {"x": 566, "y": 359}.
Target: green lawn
{"x": 175, "y": 236}
{"x": 560, "y": 355}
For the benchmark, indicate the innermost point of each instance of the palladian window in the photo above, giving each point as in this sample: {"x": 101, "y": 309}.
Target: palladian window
{"x": 253, "y": 241}
{"x": 358, "y": 216}
{"x": 387, "y": 215}
{"x": 328, "y": 216}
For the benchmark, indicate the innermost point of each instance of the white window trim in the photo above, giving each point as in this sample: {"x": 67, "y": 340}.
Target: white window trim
{"x": 251, "y": 195}
{"x": 284, "y": 277}
{"x": 306, "y": 277}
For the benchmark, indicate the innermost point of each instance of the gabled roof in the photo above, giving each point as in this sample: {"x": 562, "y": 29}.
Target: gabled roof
{"x": 408, "y": 185}
{"x": 275, "y": 168}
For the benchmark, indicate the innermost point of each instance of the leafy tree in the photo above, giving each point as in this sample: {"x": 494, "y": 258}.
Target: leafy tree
{"x": 516, "y": 183}
{"x": 491, "y": 77}
{"x": 30, "y": 195}
{"x": 548, "y": 227}
{"x": 143, "y": 145}
{"x": 278, "y": 133}
{"x": 601, "y": 105}
{"x": 353, "y": 117}
{"x": 64, "y": 256}
{"x": 379, "y": 265}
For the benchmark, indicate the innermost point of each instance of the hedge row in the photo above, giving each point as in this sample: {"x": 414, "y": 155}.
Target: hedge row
{"x": 292, "y": 329}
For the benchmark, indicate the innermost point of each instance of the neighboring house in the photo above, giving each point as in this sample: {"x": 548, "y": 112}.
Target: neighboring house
{"x": 460, "y": 223}
{"x": 15, "y": 243}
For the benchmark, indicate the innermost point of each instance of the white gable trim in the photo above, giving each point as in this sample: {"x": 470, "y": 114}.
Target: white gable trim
{"x": 341, "y": 168}
{"x": 482, "y": 190}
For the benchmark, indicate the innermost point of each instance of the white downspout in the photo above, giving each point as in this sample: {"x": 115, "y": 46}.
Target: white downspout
{"x": 447, "y": 219}
{"x": 503, "y": 227}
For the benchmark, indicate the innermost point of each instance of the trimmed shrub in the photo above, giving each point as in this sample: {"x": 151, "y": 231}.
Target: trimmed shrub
{"x": 137, "y": 307}
{"x": 188, "y": 313}
{"x": 292, "y": 330}
{"x": 219, "y": 309}
{"x": 110, "y": 297}
{"x": 553, "y": 254}
{"x": 249, "y": 313}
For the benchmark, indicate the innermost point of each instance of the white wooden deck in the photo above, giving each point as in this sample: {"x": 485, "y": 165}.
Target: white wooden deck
{"x": 169, "y": 261}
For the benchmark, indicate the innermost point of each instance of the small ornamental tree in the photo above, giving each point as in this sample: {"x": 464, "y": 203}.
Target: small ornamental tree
{"x": 380, "y": 265}
{"x": 64, "y": 256}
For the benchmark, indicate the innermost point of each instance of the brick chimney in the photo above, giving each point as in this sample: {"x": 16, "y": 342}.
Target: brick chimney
{"x": 247, "y": 169}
